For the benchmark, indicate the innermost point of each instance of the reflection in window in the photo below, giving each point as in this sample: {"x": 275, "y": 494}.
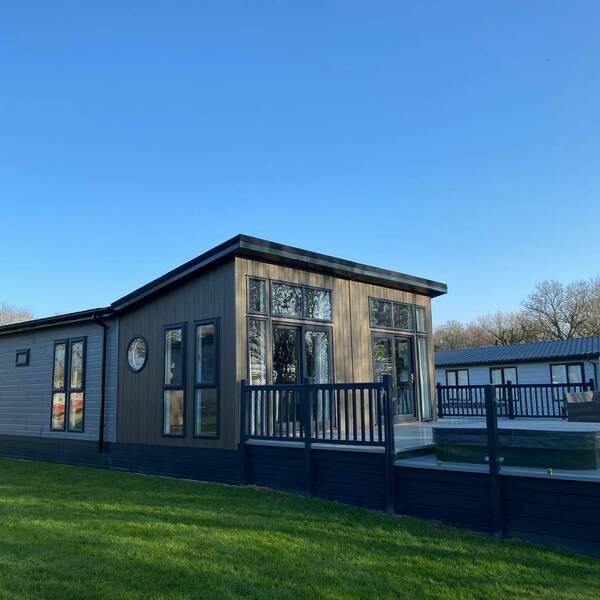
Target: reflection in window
{"x": 76, "y": 365}
{"x": 59, "y": 366}
{"x": 58, "y": 411}
{"x": 287, "y": 300}
{"x": 382, "y": 357}
{"x": 173, "y": 412}
{"x": 424, "y": 377}
{"x": 567, "y": 373}
{"x": 173, "y": 392}
{"x": 285, "y": 355}
{"x": 206, "y": 353}
{"x": 173, "y": 357}
{"x": 257, "y": 296}
{"x": 76, "y": 411}
{"x": 317, "y": 304}
{"x": 206, "y": 409}
{"x": 205, "y": 412}
{"x": 316, "y": 353}
{"x": 257, "y": 351}
{"x": 421, "y": 321}
{"x": 68, "y": 394}
{"x": 381, "y": 313}
{"x": 403, "y": 316}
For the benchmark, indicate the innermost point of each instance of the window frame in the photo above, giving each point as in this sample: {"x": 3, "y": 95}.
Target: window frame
{"x": 456, "y": 371}
{"x": 393, "y": 327}
{"x": 67, "y": 389}
{"x": 302, "y": 287}
{"x": 74, "y": 390}
{"x": 502, "y": 369}
{"x": 170, "y": 386}
{"x": 567, "y": 365}
{"x": 267, "y": 296}
{"x": 131, "y": 369}
{"x": 425, "y": 331}
{"x": 207, "y": 386}
{"x": 268, "y": 348}
{"x": 26, "y": 352}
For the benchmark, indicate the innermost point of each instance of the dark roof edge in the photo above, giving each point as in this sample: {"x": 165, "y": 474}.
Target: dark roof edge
{"x": 251, "y": 247}
{"x": 483, "y": 363}
{"x": 74, "y": 317}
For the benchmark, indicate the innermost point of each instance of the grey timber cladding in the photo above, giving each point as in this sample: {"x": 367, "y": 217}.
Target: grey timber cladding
{"x": 210, "y": 295}
{"x": 25, "y": 392}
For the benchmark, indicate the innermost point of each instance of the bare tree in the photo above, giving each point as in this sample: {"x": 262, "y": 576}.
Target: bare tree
{"x": 12, "y": 314}
{"x": 507, "y": 328}
{"x": 562, "y": 311}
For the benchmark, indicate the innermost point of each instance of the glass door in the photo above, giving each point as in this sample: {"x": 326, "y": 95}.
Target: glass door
{"x": 393, "y": 355}
{"x": 286, "y": 354}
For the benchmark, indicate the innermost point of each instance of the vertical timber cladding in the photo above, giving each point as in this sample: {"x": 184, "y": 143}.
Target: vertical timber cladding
{"x": 205, "y": 296}
{"x": 352, "y": 352}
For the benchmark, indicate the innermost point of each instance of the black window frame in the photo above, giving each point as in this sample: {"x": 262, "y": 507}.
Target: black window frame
{"x": 502, "y": 369}
{"x": 268, "y": 348}
{"x": 211, "y": 385}
{"x": 20, "y": 353}
{"x": 267, "y": 295}
{"x": 393, "y": 327}
{"x": 567, "y": 365}
{"x": 67, "y": 388}
{"x": 456, "y": 371}
{"x": 175, "y": 387}
{"x": 302, "y": 287}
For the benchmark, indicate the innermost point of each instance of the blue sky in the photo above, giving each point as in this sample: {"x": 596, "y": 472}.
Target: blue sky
{"x": 458, "y": 141}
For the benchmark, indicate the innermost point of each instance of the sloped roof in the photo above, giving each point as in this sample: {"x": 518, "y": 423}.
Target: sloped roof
{"x": 251, "y": 247}
{"x": 587, "y": 347}
{"x": 74, "y": 317}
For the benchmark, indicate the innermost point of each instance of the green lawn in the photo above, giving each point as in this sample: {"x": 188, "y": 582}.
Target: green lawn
{"x": 72, "y": 532}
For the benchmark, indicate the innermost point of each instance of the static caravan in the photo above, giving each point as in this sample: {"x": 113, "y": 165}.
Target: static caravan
{"x": 569, "y": 362}
{"x": 152, "y": 382}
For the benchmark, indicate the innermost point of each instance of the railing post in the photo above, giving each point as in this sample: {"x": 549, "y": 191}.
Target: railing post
{"x": 307, "y": 423}
{"x": 440, "y": 399}
{"x": 243, "y": 450}
{"x": 389, "y": 443}
{"x": 491, "y": 418}
{"x": 509, "y": 395}
{"x": 592, "y": 384}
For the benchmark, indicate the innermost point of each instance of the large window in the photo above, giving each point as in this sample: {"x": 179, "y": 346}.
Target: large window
{"x": 385, "y": 314}
{"x": 457, "y": 377}
{"x": 174, "y": 381}
{"x": 567, "y": 373}
{"x": 68, "y": 386}
{"x": 206, "y": 401}
{"x": 502, "y": 375}
{"x": 300, "y": 302}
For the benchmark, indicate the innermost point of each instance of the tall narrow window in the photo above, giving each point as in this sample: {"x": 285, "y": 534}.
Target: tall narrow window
{"x": 68, "y": 386}
{"x": 59, "y": 387}
{"x": 257, "y": 351}
{"x": 206, "y": 408}
{"x": 76, "y": 393}
{"x": 421, "y": 320}
{"x": 424, "y": 377}
{"x": 257, "y": 296}
{"x": 174, "y": 378}
{"x": 317, "y": 355}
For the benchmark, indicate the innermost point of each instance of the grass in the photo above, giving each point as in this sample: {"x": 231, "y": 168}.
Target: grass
{"x": 74, "y": 532}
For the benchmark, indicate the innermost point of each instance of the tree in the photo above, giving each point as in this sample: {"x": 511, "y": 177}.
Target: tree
{"x": 12, "y": 314}
{"x": 562, "y": 311}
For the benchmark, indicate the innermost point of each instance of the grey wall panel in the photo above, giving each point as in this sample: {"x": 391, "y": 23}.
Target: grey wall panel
{"x": 537, "y": 372}
{"x": 25, "y": 392}
{"x": 110, "y": 406}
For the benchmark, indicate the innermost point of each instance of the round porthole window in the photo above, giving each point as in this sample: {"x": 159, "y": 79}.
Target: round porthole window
{"x": 137, "y": 352}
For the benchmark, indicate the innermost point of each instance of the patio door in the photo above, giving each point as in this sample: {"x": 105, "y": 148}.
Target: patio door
{"x": 393, "y": 355}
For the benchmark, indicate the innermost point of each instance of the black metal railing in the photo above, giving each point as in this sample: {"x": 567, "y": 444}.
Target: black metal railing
{"x": 543, "y": 400}
{"x": 339, "y": 413}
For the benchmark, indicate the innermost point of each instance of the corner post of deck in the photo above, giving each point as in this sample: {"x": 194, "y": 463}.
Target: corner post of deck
{"x": 389, "y": 443}
{"x": 243, "y": 450}
{"x": 440, "y": 399}
{"x": 592, "y": 385}
{"x": 491, "y": 418}
{"x": 307, "y": 424}
{"x": 510, "y": 400}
